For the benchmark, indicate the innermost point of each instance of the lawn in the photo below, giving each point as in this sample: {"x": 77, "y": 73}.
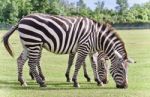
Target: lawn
{"x": 54, "y": 66}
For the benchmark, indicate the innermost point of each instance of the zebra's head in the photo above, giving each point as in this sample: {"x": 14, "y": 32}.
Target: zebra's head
{"x": 119, "y": 70}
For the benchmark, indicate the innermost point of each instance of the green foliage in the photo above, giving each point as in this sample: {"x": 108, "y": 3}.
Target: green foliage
{"x": 9, "y": 12}
{"x": 24, "y": 8}
{"x": 122, "y": 5}
{"x": 13, "y": 10}
{"x": 39, "y": 5}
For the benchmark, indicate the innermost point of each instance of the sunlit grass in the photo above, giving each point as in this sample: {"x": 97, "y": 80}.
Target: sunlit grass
{"x": 54, "y": 66}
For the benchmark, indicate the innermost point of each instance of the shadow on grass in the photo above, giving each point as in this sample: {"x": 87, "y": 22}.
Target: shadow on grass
{"x": 50, "y": 86}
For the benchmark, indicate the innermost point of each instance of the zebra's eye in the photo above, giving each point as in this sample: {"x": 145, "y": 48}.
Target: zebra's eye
{"x": 121, "y": 60}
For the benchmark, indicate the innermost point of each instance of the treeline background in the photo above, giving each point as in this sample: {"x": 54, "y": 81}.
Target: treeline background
{"x": 13, "y": 10}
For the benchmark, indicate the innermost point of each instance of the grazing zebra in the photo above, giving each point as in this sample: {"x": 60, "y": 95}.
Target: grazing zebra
{"x": 63, "y": 35}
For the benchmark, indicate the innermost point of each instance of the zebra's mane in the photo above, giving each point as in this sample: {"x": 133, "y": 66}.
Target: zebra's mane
{"x": 112, "y": 30}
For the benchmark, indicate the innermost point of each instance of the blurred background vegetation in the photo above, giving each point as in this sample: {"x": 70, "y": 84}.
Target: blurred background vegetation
{"x": 13, "y": 10}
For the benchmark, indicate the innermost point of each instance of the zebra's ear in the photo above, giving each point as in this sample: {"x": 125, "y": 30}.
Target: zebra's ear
{"x": 118, "y": 54}
{"x": 129, "y": 60}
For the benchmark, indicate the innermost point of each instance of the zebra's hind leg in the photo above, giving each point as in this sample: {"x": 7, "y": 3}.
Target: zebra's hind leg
{"x": 21, "y": 61}
{"x": 40, "y": 73}
{"x": 70, "y": 63}
{"x": 85, "y": 72}
{"x": 34, "y": 60}
{"x": 31, "y": 75}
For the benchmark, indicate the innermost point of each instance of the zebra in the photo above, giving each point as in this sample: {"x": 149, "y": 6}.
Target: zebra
{"x": 64, "y": 35}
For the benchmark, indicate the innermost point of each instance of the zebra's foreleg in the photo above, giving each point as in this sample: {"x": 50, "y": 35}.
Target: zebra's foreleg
{"x": 80, "y": 59}
{"x": 70, "y": 63}
{"x": 103, "y": 70}
{"x": 85, "y": 72}
{"x": 102, "y": 67}
{"x": 95, "y": 68}
{"x": 34, "y": 59}
{"x": 21, "y": 61}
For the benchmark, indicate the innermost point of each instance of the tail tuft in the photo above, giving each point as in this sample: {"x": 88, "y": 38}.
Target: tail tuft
{"x": 6, "y": 37}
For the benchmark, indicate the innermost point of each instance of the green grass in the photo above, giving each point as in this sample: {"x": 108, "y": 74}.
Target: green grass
{"x": 54, "y": 66}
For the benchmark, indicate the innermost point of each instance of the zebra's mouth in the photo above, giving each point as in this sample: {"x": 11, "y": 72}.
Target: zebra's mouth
{"x": 105, "y": 81}
{"x": 124, "y": 86}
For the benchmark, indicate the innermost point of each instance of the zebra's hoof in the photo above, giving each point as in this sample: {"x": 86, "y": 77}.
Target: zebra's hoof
{"x": 76, "y": 85}
{"x": 22, "y": 82}
{"x": 32, "y": 78}
{"x": 121, "y": 87}
{"x": 105, "y": 82}
{"x": 68, "y": 80}
{"x": 24, "y": 85}
{"x": 87, "y": 77}
{"x": 100, "y": 84}
{"x": 43, "y": 85}
{"x": 89, "y": 80}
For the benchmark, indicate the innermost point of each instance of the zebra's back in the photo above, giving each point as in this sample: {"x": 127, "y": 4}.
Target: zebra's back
{"x": 57, "y": 34}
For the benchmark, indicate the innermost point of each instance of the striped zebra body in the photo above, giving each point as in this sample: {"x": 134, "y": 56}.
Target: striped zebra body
{"x": 66, "y": 40}
{"x": 64, "y": 35}
{"x": 57, "y": 34}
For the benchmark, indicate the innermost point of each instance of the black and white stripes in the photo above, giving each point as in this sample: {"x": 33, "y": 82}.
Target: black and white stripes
{"x": 64, "y": 35}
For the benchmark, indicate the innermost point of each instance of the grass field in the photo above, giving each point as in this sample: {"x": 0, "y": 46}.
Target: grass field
{"x": 54, "y": 66}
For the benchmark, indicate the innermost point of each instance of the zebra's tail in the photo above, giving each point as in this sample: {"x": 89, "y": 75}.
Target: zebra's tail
{"x": 6, "y": 37}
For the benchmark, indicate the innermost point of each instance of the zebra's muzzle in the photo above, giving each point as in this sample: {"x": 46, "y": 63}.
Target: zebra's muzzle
{"x": 123, "y": 86}
{"x": 105, "y": 81}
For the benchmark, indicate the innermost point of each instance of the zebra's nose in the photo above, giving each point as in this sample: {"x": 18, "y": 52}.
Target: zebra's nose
{"x": 124, "y": 85}
{"x": 105, "y": 81}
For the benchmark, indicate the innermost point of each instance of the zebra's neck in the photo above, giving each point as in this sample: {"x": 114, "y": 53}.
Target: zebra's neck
{"x": 108, "y": 40}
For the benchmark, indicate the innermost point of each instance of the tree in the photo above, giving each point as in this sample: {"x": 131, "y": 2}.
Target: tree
{"x": 81, "y": 4}
{"x": 2, "y": 5}
{"x": 81, "y": 7}
{"x": 10, "y": 12}
{"x": 39, "y": 5}
{"x": 24, "y": 8}
{"x": 55, "y": 8}
{"x": 99, "y": 6}
{"x": 122, "y": 5}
